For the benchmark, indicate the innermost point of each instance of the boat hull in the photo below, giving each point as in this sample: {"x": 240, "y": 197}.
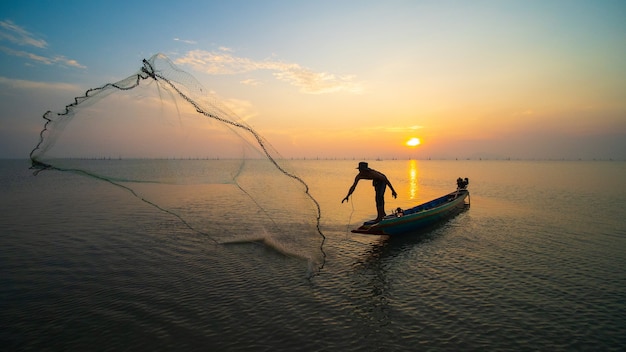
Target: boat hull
{"x": 419, "y": 217}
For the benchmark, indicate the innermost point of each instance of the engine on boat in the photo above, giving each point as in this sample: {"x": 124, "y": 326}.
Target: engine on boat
{"x": 462, "y": 183}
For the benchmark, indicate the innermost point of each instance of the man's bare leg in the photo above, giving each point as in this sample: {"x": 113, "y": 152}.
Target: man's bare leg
{"x": 381, "y": 213}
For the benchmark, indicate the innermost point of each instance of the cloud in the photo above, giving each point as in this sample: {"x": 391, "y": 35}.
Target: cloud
{"x": 250, "y": 82}
{"x": 18, "y": 35}
{"x": 69, "y": 62}
{"x": 30, "y": 85}
{"x": 20, "y": 53}
{"x": 59, "y": 59}
{"x": 186, "y": 41}
{"x": 223, "y": 62}
{"x": 241, "y": 108}
{"x": 15, "y": 34}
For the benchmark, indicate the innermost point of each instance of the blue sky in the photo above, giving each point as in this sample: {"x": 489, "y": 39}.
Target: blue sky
{"x": 527, "y": 79}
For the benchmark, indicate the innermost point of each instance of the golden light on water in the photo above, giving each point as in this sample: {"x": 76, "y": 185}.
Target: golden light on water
{"x": 413, "y": 179}
{"x": 413, "y": 142}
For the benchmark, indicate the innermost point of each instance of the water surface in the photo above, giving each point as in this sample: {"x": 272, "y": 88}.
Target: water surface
{"x": 536, "y": 263}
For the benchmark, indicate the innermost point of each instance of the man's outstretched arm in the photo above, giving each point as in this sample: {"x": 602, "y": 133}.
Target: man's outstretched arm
{"x": 356, "y": 180}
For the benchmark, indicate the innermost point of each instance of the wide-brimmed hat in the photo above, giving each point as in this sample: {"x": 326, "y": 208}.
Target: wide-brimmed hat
{"x": 363, "y": 165}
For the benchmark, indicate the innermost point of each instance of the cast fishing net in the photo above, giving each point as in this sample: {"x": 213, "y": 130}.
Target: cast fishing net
{"x": 162, "y": 137}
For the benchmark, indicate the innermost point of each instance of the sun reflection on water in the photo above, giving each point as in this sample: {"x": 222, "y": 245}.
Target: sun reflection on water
{"x": 413, "y": 179}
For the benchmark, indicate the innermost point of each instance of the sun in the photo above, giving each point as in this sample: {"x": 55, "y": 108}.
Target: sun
{"x": 413, "y": 142}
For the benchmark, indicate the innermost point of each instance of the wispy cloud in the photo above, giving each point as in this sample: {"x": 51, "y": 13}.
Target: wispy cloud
{"x": 186, "y": 41}
{"x": 14, "y": 34}
{"x": 242, "y": 108}
{"x": 223, "y": 62}
{"x": 42, "y": 59}
{"x": 29, "y": 85}
{"x": 18, "y": 35}
{"x": 20, "y": 53}
{"x": 250, "y": 82}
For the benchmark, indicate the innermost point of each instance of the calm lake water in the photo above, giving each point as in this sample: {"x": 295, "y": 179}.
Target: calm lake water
{"x": 538, "y": 262}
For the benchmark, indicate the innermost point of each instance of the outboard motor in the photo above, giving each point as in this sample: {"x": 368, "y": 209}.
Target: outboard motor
{"x": 462, "y": 183}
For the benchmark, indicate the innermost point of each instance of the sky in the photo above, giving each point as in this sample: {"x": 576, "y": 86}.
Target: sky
{"x": 530, "y": 79}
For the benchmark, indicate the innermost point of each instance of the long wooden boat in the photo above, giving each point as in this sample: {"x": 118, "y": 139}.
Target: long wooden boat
{"x": 418, "y": 217}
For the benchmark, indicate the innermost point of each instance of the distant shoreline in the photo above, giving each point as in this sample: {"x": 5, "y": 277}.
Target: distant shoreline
{"x": 325, "y": 159}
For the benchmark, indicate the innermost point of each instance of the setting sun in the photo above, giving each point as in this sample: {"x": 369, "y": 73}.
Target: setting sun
{"x": 413, "y": 142}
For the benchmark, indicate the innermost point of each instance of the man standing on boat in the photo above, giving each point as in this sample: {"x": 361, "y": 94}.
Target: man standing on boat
{"x": 380, "y": 183}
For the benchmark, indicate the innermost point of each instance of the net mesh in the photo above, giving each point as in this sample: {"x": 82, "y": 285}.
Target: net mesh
{"x": 160, "y": 135}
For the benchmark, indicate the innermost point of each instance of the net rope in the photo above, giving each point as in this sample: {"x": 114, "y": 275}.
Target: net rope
{"x": 54, "y": 122}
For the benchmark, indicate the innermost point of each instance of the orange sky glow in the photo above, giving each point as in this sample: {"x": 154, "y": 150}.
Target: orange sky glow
{"x": 521, "y": 80}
